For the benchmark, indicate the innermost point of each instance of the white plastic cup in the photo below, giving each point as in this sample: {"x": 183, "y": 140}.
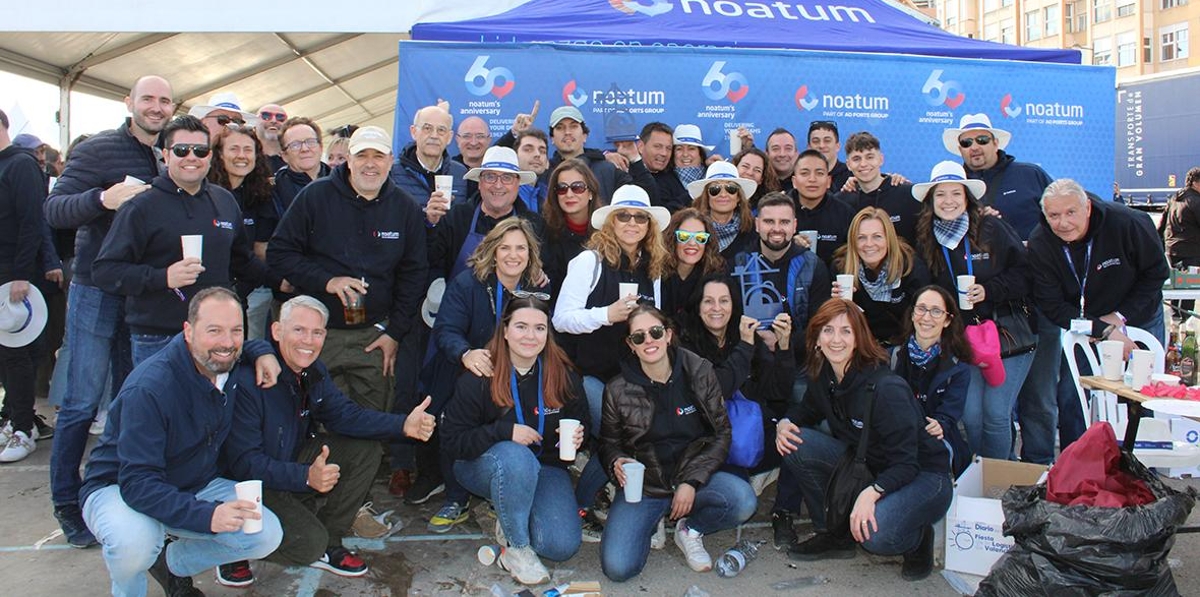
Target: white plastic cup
{"x": 634, "y": 473}
{"x": 812, "y": 237}
{"x": 193, "y": 245}
{"x": 444, "y": 183}
{"x": 1141, "y": 364}
{"x": 846, "y": 284}
{"x": 1112, "y": 361}
{"x": 627, "y": 288}
{"x": 133, "y": 181}
{"x": 735, "y": 143}
{"x": 251, "y": 491}
{"x": 566, "y": 439}
{"x": 965, "y": 282}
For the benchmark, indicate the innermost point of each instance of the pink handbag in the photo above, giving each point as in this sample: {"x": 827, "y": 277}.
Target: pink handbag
{"x": 985, "y": 346}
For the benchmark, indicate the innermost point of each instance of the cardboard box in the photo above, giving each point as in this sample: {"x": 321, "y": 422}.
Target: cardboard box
{"x": 974, "y": 535}
{"x": 1187, "y": 431}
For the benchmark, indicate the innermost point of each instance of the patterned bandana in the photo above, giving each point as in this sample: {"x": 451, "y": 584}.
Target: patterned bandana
{"x": 727, "y": 232}
{"x": 689, "y": 174}
{"x": 878, "y": 289}
{"x": 921, "y": 357}
{"x": 950, "y": 232}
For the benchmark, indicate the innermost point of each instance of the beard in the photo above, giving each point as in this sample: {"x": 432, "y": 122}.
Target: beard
{"x": 214, "y": 366}
{"x": 779, "y": 246}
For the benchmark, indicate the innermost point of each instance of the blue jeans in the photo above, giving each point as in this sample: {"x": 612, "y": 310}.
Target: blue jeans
{"x": 131, "y": 540}
{"x": 900, "y": 515}
{"x": 147, "y": 345}
{"x": 514, "y": 480}
{"x": 593, "y": 388}
{"x": 723, "y": 503}
{"x": 987, "y": 414}
{"x": 98, "y": 339}
{"x": 1037, "y": 408}
{"x": 258, "y": 313}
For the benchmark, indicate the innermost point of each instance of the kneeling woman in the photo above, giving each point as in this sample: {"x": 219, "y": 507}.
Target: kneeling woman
{"x": 665, "y": 411}
{"x": 503, "y": 433}
{"x": 912, "y": 487}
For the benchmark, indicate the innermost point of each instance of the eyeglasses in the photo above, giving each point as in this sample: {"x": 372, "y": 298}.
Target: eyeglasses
{"x": 577, "y": 187}
{"x": 656, "y": 332}
{"x": 731, "y": 188}
{"x": 969, "y": 141}
{"x": 278, "y": 116}
{"x": 223, "y": 119}
{"x": 524, "y": 294}
{"x": 311, "y": 143}
{"x": 624, "y": 217}
{"x": 683, "y": 236}
{"x": 922, "y": 311}
{"x": 200, "y": 150}
{"x": 494, "y": 177}
{"x": 475, "y": 136}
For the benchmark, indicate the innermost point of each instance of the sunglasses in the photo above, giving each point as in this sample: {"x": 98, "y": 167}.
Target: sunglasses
{"x": 822, "y": 124}
{"x": 656, "y": 332}
{"x": 624, "y": 217}
{"x": 732, "y": 189}
{"x": 223, "y": 119}
{"x": 577, "y": 187}
{"x": 524, "y": 294}
{"x": 969, "y": 141}
{"x": 181, "y": 150}
{"x": 683, "y": 236}
{"x": 278, "y": 116}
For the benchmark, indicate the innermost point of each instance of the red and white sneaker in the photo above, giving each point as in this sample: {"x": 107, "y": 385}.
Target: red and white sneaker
{"x": 235, "y": 574}
{"x": 342, "y": 562}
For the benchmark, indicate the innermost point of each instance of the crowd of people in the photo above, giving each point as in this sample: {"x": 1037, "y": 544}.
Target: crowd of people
{"x": 259, "y": 301}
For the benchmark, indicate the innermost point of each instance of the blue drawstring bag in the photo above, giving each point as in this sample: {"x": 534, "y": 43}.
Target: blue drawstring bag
{"x": 745, "y": 417}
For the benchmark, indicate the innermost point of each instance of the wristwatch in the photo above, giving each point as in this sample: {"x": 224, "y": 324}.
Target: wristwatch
{"x": 877, "y": 489}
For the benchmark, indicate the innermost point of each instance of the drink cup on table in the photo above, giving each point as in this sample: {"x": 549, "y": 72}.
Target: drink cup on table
{"x": 1112, "y": 361}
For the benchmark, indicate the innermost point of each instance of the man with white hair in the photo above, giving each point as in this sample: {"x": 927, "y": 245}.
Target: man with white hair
{"x": 1097, "y": 267}
{"x": 425, "y": 158}
{"x": 269, "y": 131}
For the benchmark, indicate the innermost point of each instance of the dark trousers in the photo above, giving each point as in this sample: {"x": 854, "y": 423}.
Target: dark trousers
{"x": 313, "y": 522}
{"x": 18, "y": 371}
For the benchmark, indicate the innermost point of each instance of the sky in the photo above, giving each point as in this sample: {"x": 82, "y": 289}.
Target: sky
{"x": 31, "y": 107}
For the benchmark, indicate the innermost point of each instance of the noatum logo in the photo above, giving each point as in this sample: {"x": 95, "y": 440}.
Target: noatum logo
{"x": 756, "y": 10}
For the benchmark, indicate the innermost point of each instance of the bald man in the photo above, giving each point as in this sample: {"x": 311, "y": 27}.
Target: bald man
{"x": 269, "y": 130}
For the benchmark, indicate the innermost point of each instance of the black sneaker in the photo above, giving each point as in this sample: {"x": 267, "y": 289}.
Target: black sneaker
{"x": 235, "y": 574}
{"x": 918, "y": 563}
{"x": 70, "y": 518}
{"x": 341, "y": 561}
{"x": 823, "y": 546}
{"x": 783, "y": 528}
{"x": 173, "y": 586}
{"x": 45, "y": 431}
{"x": 424, "y": 488}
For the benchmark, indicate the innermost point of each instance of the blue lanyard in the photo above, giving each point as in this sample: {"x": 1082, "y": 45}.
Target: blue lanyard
{"x": 499, "y": 310}
{"x": 966, "y": 256}
{"x": 541, "y": 399}
{"x": 1087, "y": 265}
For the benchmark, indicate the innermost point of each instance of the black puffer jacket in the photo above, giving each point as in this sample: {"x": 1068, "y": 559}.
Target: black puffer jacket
{"x": 628, "y": 416}
{"x": 102, "y": 161}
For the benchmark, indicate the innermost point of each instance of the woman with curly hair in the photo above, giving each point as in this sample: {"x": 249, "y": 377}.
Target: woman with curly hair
{"x": 691, "y": 254}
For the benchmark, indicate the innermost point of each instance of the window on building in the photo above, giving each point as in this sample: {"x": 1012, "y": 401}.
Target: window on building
{"x": 1081, "y": 16}
{"x": 991, "y": 32}
{"x": 1006, "y": 2}
{"x": 1126, "y": 7}
{"x": 990, "y": 5}
{"x": 1102, "y": 51}
{"x": 950, "y": 23}
{"x": 1050, "y": 17}
{"x": 1007, "y": 32}
{"x": 1101, "y": 10}
{"x": 1126, "y": 49}
{"x": 1033, "y": 25}
{"x": 1147, "y": 50}
{"x": 1173, "y": 39}
{"x": 1172, "y": 3}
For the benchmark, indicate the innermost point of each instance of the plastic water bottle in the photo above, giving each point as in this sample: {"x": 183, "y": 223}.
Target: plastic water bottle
{"x": 734, "y": 561}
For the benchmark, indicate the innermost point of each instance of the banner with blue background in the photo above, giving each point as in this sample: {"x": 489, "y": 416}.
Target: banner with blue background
{"x": 1061, "y": 116}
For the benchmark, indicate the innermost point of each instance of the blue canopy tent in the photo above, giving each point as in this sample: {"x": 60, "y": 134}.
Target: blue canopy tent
{"x": 847, "y": 26}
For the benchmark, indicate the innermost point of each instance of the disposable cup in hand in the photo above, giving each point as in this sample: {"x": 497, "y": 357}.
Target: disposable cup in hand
{"x": 965, "y": 282}
{"x": 735, "y": 143}
{"x": 133, "y": 181}
{"x": 634, "y": 473}
{"x": 1112, "y": 359}
{"x": 812, "y": 237}
{"x": 566, "y": 439}
{"x": 251, "y": 491}
{"x": 1140, "y": 366}
{"x": 627, "y": 288}
{"x": 444, "y": 183}
{"x": 193, "y": 245}
{"x": 846, "y": 284}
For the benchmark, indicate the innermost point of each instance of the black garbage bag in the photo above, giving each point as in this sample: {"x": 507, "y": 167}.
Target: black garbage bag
{"x": 1069, "y": 551}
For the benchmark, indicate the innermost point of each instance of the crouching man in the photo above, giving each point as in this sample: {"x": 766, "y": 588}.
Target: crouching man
{"x": 314, "y": 449}
{"x": 155, "y": 472}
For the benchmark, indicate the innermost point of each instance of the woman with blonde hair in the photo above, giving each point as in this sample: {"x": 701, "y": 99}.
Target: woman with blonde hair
{"x": 887, "y": 272}
{"x": 724, "y": 196}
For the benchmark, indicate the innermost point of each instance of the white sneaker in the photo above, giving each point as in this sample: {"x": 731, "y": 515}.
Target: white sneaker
{"x": 691, "y": 544}
{"x": 6, "y": 432}
{"x": 659, "y": 539}
{"x": 97, "y": 426}
{"x": 18, "y": 447}
{"x": 524, "y": 565}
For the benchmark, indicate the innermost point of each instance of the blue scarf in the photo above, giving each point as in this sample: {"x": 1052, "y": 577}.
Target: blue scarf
{"x": 688, "y": 174}
{"x": 727, "y": 232}
{"x": 878, "y": 289}
{"x": 950, "y": 232}
{"x": 920, "y": 357}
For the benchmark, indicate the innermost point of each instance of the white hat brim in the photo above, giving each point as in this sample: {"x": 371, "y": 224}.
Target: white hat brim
{"x": 202, "y": 111}
{"x": 25, "y": 337}
{"x": 696, "y": 187}
{"x": 433, "y": 301}
{"x": 660, "y": 214}
{"x": 977, "y": 187}
{"x": 950, "y": 138}
{"x": 527, "y": 177}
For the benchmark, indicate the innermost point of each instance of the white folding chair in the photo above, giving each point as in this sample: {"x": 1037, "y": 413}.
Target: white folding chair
{"x": 1070, "y": 342}
{"x": 1152, "y": 343}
